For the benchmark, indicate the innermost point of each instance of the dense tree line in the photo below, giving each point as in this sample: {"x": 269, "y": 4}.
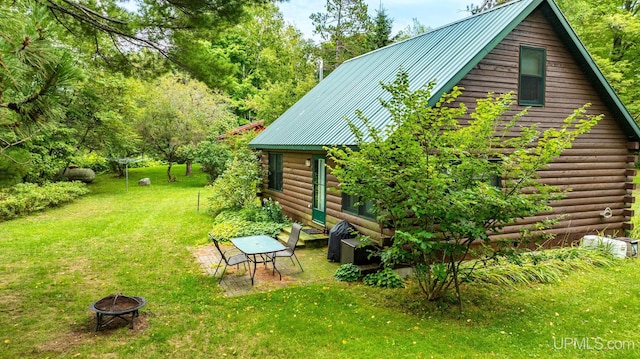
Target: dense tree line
{"x": 82, "y": 82}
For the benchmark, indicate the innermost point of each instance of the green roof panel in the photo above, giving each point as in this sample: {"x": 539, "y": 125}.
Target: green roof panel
{"x": 444, "y": 55}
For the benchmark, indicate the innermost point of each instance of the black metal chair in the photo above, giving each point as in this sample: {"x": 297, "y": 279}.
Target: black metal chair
{"x": 290, "y": 251}
{"x": 229, "y": 260}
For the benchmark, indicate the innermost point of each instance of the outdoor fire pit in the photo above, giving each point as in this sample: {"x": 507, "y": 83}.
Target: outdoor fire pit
{"x": 116, "y": 306}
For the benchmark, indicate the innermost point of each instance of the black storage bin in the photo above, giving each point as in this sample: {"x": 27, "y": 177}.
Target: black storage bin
{"x": 351, "y": 251}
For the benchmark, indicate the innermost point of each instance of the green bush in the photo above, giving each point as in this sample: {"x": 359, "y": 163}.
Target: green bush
{"x": 25, "y": 198}
{"x": 236, "y": 223}
{"x": 385, "y": 278}
{"x": 270, "y": 211}
{"x": 347, "y": 273}
{"x": 213, "y": 158}
{"x": 238, "y": 185}
{"x": 92, "y": 160}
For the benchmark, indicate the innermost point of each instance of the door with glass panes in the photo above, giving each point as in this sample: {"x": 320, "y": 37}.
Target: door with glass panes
{"x": 319, "y": 177}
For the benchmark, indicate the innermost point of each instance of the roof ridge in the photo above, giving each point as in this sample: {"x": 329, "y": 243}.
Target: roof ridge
{"x": 482, "y": 13}
{"x": 439, "y": 28}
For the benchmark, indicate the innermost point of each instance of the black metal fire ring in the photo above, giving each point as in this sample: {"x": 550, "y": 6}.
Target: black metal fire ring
{"x": 116, "y": 306}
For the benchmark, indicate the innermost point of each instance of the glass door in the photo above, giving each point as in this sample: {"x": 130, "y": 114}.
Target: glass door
{"x": 319, "y": 177}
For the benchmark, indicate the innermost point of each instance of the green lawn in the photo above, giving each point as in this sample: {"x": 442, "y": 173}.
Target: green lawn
{"x": 54, "y": 264}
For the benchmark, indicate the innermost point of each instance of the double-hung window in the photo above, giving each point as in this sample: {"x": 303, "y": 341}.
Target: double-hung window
{"x": 532, "y": 76}
{"x": 276, "y": 168}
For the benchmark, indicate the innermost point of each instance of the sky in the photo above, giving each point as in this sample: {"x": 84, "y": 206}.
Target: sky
{"x": 432, "y": 13}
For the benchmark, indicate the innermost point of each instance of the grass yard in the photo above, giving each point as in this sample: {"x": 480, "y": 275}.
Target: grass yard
{"x": 53, "y": 265}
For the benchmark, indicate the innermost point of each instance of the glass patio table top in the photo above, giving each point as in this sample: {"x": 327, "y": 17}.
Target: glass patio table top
{"x": 260, "y": 244}
{"x": 257, "y": 248}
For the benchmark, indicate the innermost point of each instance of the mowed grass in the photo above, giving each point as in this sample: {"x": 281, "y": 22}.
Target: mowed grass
{"x": 55, "y": 264}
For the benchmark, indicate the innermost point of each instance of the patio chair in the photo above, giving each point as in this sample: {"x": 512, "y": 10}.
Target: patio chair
{"x": 290, "y": 251}
{"x": 229, "y": 259}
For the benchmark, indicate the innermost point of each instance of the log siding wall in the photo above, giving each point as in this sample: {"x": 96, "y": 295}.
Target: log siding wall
{"x": 296, "y": 196}
{"x": 598, "y": 170}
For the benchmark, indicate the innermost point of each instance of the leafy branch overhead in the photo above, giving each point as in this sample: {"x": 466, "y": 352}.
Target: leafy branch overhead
{"x": 153, "y": 22}
{"x": 446, "y": 177}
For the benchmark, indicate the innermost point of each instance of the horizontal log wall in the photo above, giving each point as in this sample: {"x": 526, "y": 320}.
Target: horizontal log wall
{"x": 598, "y": 170}
{"x": 297, "y": 194}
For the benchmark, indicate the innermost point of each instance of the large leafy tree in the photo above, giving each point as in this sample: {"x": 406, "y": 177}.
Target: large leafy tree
{"x": 343, "y": 28}
{"x": 101, "y": 114}
{"x": 178, "y": 111}
{"x": 444, "y": 186}
{"x": 610, "y": 29}
{"x": 263, "y": 64}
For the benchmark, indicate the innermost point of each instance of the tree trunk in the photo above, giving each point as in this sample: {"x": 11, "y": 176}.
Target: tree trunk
{"x": 171, "y": 179}
{"x": 189, "y": 171}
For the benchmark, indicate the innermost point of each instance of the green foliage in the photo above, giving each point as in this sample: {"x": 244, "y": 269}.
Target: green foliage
{"x": 385, "y": 278}
{"x": 108, "y": 241}
{"x": 13, "y": 166}
{"x": 250, "y": 219}
{"x": 382, "y": 25}
{"x": 102, "y": 119}
{"x": 179, "y": 112}
{"x": 343, "y": 28}
{"x": 37, "y": 76}
{"x": 414, "y": 29}
{"x": 245, "y": 222}
{"x": 609, "y": 30}
{"x": 262, "y": 63}
{"x": 347, "y": 272}
{"x": 212, "y": 157}
{"x": 25, "y": 198}
{"x": 270, "y": 211}
{"x": 237, "y": 187}
{"x": 432, "y": 179}
{"x": 92, "y": 160}
{"x": 546, "y": 266}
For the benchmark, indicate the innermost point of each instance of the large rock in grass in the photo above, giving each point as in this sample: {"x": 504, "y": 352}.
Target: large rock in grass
{"x": 86, "y": 175}
{"x": 144, "y": 182}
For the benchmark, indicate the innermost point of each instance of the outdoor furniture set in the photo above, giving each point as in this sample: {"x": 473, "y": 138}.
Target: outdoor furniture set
{"x": 257, "y": 249}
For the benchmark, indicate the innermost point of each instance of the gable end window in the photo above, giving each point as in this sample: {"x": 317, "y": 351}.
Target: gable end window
{"x": 532, "y": 76}
{"x": 276, "y": 168}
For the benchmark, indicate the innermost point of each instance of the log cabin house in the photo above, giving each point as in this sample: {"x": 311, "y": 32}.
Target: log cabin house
{"x": 524, "y": 46}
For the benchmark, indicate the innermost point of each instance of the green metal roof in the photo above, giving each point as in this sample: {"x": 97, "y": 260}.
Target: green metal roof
{"x": 444, "y": 55}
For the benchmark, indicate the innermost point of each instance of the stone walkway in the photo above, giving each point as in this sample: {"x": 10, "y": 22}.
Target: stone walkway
{"x": 237, "y": 281}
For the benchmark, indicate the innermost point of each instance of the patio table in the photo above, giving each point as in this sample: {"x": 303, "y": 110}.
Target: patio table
{"x": 260, "y": 245}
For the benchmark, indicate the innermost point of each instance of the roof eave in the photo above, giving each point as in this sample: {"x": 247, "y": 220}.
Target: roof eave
{"x": 454, "y": 80}
{"x": 602, "y": 85}
{"x": 295, "y": 148}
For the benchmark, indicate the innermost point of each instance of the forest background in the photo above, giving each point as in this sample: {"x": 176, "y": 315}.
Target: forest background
{"x": 85, "y": 82}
